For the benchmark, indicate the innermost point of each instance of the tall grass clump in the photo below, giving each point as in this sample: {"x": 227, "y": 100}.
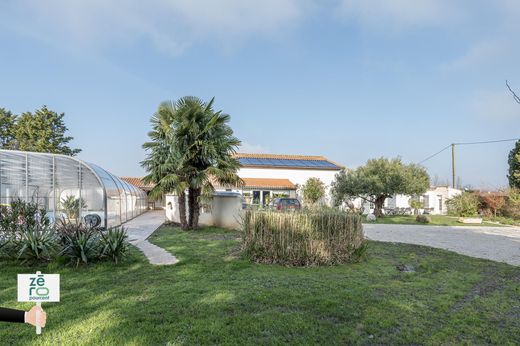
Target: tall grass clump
{"x": 303, "y": 238}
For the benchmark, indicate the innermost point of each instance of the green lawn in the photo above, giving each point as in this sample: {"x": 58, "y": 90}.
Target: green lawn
{"x": 437, "y": 220}
{"x": 213, "y": 297}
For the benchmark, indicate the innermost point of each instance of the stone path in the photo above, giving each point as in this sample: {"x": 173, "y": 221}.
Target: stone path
{"x": 500, "y": 244}
{"x": 140, "y": 228}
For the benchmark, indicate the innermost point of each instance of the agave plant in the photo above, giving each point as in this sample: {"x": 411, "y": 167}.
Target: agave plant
{"x": 72, "y": 206}
{"x": 81, "y": 244}
{"x": 35, "y": 243}
{"x": 114, "y": 243}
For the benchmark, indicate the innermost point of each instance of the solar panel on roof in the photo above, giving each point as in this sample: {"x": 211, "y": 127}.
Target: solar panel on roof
{"x": 313, "y": 163}
{"x": 250, "y": 161}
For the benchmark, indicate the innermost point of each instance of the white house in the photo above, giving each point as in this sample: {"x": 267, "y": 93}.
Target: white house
{"x": 434, "y": 200}
{"x": 267, "y": 176}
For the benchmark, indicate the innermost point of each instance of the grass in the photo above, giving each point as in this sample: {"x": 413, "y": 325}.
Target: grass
{"x": 437, "y": 220}
{"x": 214, "y": 297}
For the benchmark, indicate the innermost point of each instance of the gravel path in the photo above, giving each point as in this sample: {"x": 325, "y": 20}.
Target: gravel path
{"x": 500, "y": 244}
{"x": 140, "y": 228}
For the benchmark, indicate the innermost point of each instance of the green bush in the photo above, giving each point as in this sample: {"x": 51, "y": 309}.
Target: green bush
{"x": 464, "y": 205}
{"x": 26, "y": 234}
{"x": 20, "y": 215}
{"x": 80, "y": 243}
{"x": 512, "y": 207}
{"x": 303, "y": 238}
{"x": 114, "y": 243}
{"x": 35, "y": 244}
{"x": 423, "y": 219}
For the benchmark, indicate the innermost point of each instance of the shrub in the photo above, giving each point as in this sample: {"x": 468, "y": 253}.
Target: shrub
{"x": 464, "y": 205}
{"x": 25, "y": 232}
{"x": 20, "y": 216}
{"x": 35, "y": 244}
{"x": 114, "y": 243}
{"x": 302, "y": 238}
{"x": 512, "y": 207}
{"x": 313, "y": 190}
{"x": 423, "y": 219}
{"x": 72, "y": 206}
{"x": 81, "y": 244}
{"x": 491, "y": 203}
{"x": 415, "y": 204}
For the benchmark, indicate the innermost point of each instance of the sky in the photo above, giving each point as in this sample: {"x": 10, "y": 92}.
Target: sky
{"x": 349, "y": 80}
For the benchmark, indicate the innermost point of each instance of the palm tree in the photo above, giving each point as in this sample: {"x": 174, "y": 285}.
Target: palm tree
{"x": 192, "y": 147}
{"x": 163, "y": 163}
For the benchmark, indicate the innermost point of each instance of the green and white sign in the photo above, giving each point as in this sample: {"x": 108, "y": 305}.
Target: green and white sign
{"x": 38, "y": 287}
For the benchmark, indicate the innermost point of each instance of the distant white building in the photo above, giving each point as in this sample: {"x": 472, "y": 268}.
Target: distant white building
{"x": 267, "y": 176}
{"x": 434, "y": 200}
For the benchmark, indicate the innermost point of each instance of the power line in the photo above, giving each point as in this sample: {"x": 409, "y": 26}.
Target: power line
{"x": 486, "y": 142}
{"x": 437, "y": 153}
{"x": 468, "y": 143}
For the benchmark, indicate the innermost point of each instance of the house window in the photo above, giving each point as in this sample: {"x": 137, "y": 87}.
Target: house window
{"x": 426, "y": 201}
{"x": 440, "y": 203}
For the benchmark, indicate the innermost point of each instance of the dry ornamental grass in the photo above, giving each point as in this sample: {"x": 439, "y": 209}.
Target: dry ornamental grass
{"x": 303, "y": 238}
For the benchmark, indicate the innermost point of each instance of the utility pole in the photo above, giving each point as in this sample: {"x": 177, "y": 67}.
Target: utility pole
{"x": 453, "y": 164}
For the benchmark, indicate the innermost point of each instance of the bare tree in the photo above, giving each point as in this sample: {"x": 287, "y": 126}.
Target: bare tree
{"x": 515, "y": 96}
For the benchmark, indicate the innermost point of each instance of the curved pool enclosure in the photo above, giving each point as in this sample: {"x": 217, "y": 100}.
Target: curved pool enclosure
{"x": 55, "y": 181}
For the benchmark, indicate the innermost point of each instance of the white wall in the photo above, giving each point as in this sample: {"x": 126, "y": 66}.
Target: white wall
{"x": 225, "y": 212}
{"x": 296, "y": 176}
{"x": 398, "y": 201}
{"x": 436, "y": 197}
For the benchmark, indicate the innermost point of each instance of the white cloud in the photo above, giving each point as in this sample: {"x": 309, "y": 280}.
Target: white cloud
{"x": 495, "y": 105}
{"x": 478, "y": 54}
{"x": 171, "y": 25}
{"x": 398, "y": 13}
{"x": 252, "y": 148}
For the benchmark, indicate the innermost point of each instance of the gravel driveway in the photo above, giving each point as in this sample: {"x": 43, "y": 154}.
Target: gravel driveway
{"x": 500, "y": 244}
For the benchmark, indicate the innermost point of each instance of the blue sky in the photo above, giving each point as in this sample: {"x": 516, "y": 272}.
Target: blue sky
{"x": 349, "y": 80}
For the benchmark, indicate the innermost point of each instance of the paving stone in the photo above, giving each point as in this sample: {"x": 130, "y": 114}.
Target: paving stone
{"x": 140, "y": 229}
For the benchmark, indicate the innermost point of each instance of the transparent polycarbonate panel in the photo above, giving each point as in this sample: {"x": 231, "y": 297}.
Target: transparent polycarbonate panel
{"x": 53, "y": 180}
{"x": 92, "y": 194}
{"x": 40, "y": 181}
{"x": 129, "y": 200}
{"x": 12, "y": 176}
{"x": 67, "y": 185}
{"x": 107, "y": 180}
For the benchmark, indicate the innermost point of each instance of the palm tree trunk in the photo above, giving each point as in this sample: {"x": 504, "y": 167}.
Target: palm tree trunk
{"x": 190, "y": 207}
{"x": 182, "y": 210}
{"x": 196, "y": 209}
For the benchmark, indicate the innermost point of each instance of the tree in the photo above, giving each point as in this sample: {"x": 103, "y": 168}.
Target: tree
{"x": 43, "y": 131}
{"x": 313, "y": 190}
{"x": 191, "y": 148}
{"x": 379, "y": 179}
{"x": 163, "y": 161}
{"x": 514, "y": 166}
{"x": 416, "y": 205}
{"x": 7, "y": 122}
{"x": 493, "y": 201}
